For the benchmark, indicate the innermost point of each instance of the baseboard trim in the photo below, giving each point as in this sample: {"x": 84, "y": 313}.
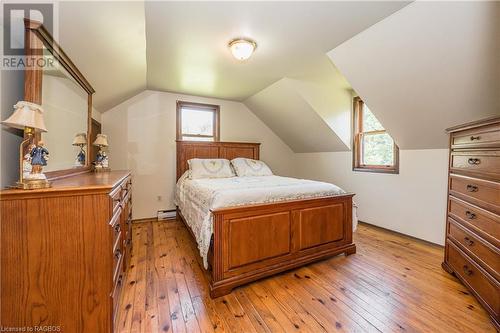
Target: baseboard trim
{"x": 152, "y": 219}
{"x": 402, "y": 234}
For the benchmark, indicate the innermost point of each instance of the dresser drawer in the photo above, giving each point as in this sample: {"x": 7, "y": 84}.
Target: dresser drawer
{"x": 116, "y": 198}
{"x": 485, "y": 286}
{"x": 115, "y": 295}
{"x": 115, "y": 225}
{"x": 117, "y": 262}
{"x": 483, "y": 137}
{"x": 482, "y": 163}
{"x": 476, "y": 218}
{"x": 487, "y": 254}
{"x": 483, "y": 193}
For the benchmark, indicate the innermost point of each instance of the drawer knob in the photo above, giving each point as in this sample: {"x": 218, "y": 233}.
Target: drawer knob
{"x": 473, "y": 161}
{"x": 472, "y": 188}
{"x": 472, "y": 138}
{"x": 468, "y": 241}
{"x": 467, "y": 270}
{"x": 470, "y": 215}
{"x": 117, "y": 228}
{"x": 117, "y": 254}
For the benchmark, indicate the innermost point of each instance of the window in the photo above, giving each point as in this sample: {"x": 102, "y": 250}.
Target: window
{"x": 197, "y": 122}
{"x": 374, "y": 149}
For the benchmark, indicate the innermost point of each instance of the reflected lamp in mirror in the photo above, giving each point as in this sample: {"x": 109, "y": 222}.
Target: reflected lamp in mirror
{"x": 32, "y": 156}
{"x": 80, "y": 140}
{"x": 101, "y": 163}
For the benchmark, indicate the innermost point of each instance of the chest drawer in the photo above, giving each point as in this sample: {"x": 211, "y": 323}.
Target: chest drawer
{"x": 483, "y": 193}
{"x": 488, "y": 254}
{"x": 476, "y": 218}
{"x": 475, "y": 277}
{"x": 115, "y": 295}
{"x": 116, "y": 198}
{"x": 483, "y": 137}
{"x": 115, "y": 225}
{"x": 484, "y": 163}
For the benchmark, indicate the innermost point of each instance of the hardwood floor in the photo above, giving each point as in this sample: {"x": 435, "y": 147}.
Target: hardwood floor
{"x": 393, "y": 283}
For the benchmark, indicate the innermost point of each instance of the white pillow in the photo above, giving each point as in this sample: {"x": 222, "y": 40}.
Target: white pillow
{"x": 248, "y": 167}
{"x": 210, "y": 168}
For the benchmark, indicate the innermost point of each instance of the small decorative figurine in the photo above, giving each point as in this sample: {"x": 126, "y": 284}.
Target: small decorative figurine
{"x": 80, "y": 140}
{"x": 101, "y": 163}
{"x": 32, "y": 158}
{"x": 39, "y": 157}
{"x": 27, "y": 162}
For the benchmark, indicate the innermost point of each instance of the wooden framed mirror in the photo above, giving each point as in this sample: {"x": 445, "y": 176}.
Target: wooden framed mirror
{"x": 53, "y": 81}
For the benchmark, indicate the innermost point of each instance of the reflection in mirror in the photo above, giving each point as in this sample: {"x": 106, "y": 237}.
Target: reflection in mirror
{"x": 65, "y": 105}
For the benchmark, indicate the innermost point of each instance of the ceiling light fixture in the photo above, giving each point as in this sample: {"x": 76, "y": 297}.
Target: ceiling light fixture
{"x": 242, "y": 49}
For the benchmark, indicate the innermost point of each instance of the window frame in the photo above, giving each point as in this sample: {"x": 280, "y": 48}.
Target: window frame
{"x": 209, "y": 107}
{"x": 358, "y": 146}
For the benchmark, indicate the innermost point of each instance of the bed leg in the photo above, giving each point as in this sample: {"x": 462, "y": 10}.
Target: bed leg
{"x": 350, "y": 250}
{"x": 219, "y": 291}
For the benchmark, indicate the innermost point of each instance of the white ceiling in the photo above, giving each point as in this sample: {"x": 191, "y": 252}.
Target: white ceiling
{"x": 107, "y": 41}
{"x": 126, "y": 47}
{"x": 187, "y": 42}
{"x": 304, "y": 130}
{"x": 430, "y": 66}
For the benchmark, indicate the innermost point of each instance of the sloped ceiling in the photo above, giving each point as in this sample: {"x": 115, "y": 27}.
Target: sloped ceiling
{"x": 187, "y": 41}
{"x": 284, "y": 110}
{"x": 107, "y": 41}
{"x": 427, "y": 67}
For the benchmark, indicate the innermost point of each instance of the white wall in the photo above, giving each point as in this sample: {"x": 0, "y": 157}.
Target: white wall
{"x": 412, "y": 202}
{"x": 142, "y": 132}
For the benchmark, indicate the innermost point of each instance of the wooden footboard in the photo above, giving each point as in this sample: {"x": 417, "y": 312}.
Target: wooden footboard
{"x": 252, "y": 242}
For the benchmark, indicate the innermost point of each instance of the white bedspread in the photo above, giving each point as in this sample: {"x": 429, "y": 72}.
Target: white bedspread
{"x": 197, "y": 197}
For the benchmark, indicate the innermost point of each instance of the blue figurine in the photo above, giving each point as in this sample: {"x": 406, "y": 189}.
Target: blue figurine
{"x": 81, "y": 157}
{"x": 39, "y": 156}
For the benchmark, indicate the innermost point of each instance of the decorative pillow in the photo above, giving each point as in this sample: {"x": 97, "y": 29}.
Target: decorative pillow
{"x": 248, "y": 167}
{"x": 210, "y": 168}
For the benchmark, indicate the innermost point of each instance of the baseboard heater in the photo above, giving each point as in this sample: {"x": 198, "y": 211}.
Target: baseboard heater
{"x": 167, "y": 214}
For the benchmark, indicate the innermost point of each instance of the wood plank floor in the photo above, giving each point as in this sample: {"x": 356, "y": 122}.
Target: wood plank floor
{"x": 393, "y": 283}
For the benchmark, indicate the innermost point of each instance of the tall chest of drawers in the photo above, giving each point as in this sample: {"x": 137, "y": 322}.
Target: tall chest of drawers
{"x": 64, "y": 253}
{"x": 472, "y": 251}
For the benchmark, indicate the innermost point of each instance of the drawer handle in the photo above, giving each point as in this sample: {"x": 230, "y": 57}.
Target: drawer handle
{"x": 470, "y": 215}
{"x": 117, "y": 228}
{"x": 472, "y": 188}
{"x": 469, "y": 241}
{"x": 118, "y": 253}
{"x": 119, "y": 282}
{"x": 474, "y": 161}
{"x": 467, "y": 270}
{"x": 472, "y": 138}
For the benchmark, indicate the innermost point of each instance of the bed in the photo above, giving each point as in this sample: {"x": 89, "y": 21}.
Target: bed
{"x": 248, "y": 228}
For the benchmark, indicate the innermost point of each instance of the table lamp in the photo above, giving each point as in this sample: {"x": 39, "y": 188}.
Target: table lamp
{"x": 80, "y": 140}
{"x": 29, "y": 117}
{"x": 101, "y": 162}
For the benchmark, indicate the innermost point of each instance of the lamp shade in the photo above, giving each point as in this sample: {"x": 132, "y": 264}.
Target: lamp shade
{"x": 80, "y": 139}
{"x": 101, "y": 140}
{"x": 26, "y": 114}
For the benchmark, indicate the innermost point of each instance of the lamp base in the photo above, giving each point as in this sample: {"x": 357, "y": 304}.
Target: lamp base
{"x": 33, "y": 184}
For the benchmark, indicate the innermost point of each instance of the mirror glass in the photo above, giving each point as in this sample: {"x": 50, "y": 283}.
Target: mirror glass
{"x": 65, "y": 105}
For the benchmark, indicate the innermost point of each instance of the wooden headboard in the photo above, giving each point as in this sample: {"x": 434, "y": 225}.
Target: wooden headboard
{"x": 187, "y": 150}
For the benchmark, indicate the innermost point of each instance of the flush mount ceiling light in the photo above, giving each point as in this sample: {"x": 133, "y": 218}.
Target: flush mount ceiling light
{"x": 242, "y": 49}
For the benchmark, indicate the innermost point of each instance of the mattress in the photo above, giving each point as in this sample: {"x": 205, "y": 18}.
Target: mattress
{"x": 197, "y": 197}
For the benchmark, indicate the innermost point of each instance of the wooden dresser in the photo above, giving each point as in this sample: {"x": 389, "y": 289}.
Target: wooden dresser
{"x": 472, "y": 251}
{"x": 65, "y": 252}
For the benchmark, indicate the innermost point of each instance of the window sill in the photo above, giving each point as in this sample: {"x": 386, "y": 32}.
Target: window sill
{"x": 376, "y": 170}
